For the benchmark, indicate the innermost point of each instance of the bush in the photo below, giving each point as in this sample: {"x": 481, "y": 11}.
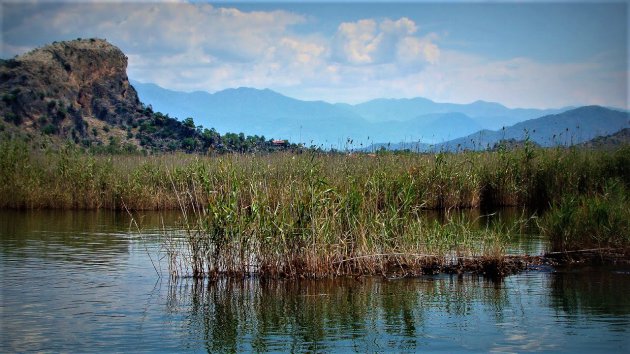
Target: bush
{"x": 13, "y": 118}
{"x": 49, "y": 129}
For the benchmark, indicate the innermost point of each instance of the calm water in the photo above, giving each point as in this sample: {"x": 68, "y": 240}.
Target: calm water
{"x": 80, "y": 281}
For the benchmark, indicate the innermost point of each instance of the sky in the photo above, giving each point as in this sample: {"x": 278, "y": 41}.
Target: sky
{"x": 520, "y": 54}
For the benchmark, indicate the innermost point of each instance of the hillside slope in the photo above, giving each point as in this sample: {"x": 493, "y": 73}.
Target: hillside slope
{"x": 568, "y": 128}
{"x": 79, "y": 91}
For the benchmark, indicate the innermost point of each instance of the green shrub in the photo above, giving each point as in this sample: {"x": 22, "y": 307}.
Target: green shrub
{"x": 49, "y": 129}
{"x": 13, "y": 118}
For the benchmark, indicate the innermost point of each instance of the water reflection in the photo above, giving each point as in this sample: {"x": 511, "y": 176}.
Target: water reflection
{"x": 589, "y": 290}
{"x": 93, "y": 237}
{"x": 303, "y": 315}
{"x": 79, "y": 281}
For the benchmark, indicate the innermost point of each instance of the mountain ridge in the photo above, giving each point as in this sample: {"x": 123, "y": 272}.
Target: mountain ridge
{"x": 275, "y": 113}
{"x": 578, "y": 126}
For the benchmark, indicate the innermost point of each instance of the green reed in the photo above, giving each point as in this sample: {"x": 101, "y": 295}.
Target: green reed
{"x": 315, "y": 214}
{"x": 598, "y": 219}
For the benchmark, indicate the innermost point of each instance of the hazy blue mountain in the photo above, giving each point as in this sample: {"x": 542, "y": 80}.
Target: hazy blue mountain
{"x": 568, "y": 128}
{"x": 261, "y": 112}
{"x": 428, "y": 128}
{"x": 268, "y": 113}
{"x": 489, "y": 115}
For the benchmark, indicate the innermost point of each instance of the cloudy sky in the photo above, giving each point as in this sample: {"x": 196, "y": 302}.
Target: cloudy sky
{"x": 520, "y": 54}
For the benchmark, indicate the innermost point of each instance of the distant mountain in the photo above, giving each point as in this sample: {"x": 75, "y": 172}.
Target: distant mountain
{"x": 568, "y": 128}
{"x": 428, "y": 128}
{"x": 254, "y": 111}
{"x": 488, "y": 115}
{"x": 316, "y": 122}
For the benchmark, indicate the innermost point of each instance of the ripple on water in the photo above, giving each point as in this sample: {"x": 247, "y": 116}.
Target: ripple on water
{"x": 68, "y": 289}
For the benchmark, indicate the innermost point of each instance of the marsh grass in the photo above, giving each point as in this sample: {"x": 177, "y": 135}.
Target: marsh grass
{"x": 315, "y": 214}
{"x": 595, "y": 220}
{"x": 276, "y": 241}
{"x": 537, "y": 178}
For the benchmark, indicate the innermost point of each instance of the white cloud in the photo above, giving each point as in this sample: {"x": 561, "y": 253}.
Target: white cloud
{"x": 522, "y": 82}
{"x": 356, "y": 42}
{"x": 155, "y": 28}
{"x": 203, "y": 47}
{"x": 368, "y": 42}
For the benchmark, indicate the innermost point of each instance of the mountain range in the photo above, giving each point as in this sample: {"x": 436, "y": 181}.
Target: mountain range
{"x": 79, "y": 91}
{"x": 568, "y": 128}
{"x": 269, "y": 113}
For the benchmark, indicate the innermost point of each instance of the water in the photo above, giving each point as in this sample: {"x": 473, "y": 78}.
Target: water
{"x": 80, "y": 282}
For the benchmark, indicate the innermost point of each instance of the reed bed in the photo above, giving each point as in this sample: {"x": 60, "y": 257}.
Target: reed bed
{"x": 313, "y": 214}
{"x": 596, "y": 220}
{"x": 277, "y": 241}
{"x": 537, "y": 178}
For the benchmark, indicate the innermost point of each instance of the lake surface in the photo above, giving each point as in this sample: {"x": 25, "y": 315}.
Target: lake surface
{"x": 81, "y": 281}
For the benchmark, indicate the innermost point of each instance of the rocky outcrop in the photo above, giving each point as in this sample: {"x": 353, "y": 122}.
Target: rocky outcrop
{"x": 76, "y": 89}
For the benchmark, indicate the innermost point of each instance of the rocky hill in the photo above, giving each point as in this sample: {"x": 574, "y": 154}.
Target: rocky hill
{"x": 79, "y": 91}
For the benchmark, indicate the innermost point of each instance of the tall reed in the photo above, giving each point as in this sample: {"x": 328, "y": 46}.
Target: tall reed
{"x": 315, "y": 214}
{"x": 593, "y": 220}
{"x": 524, "y": 177}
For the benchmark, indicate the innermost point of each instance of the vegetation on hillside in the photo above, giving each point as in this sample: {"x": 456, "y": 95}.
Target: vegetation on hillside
{"x": 39, "y": 102}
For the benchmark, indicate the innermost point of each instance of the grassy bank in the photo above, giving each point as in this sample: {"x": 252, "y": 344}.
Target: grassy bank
{"x": 316, "y": 214}
{"x": 525, "y": 177}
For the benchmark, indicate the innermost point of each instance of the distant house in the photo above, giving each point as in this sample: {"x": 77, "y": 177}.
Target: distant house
{"x": 279, "y": 142}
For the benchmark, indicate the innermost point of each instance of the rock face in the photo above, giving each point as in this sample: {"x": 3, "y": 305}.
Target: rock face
{"x": 77, "y": 89}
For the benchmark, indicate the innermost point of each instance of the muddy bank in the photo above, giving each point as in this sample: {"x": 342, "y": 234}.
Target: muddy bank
{"x": 400, "y": 266}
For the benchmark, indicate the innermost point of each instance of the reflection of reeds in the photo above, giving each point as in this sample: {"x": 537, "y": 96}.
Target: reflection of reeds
{"x": 303, "y": 315}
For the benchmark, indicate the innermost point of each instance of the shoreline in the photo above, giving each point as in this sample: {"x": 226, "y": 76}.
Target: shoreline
{"x": 487, "y": 267}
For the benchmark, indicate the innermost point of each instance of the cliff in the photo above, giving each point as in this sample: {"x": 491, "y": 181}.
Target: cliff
{"x": 77, "y": 89}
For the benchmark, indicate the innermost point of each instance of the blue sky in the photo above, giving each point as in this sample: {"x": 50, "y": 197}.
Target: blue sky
{"x": 520, "y": 54}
